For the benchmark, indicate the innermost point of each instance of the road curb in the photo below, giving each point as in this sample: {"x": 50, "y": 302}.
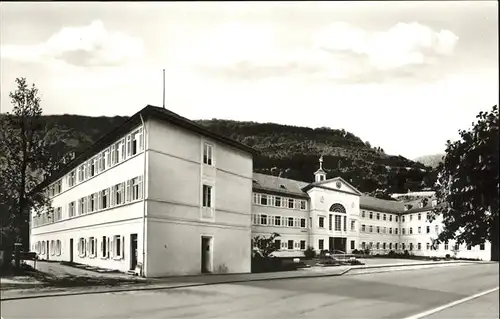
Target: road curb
{"x": 48, "y": 294}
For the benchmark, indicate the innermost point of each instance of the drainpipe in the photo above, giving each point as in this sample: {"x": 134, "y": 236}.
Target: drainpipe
{"x": 144, "y": 200}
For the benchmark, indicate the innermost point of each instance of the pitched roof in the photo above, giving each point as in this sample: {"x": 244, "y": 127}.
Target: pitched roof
{"x": 381, "y": 205}
{"x": 279, "y": 185}
{"x": 147, "y": 112}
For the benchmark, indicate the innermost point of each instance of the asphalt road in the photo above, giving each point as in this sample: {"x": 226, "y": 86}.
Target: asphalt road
{"x": 398, "y": 294}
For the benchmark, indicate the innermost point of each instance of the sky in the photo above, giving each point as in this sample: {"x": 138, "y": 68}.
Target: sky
{"x": 405, "y": 76}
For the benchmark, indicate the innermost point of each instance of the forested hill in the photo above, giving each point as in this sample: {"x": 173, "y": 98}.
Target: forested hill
{"x": 290, "y": 151}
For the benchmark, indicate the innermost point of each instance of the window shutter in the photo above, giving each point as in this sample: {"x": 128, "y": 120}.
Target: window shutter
{"x": 88, "y": 245}
{"x": 123, "y": 247}
{"x": 110, "y": 247}
{"x": 113, "y": 195}
{"x": 123, "y": 148}
{"x": 140, "y": 138}
{"x": 129, "y": 145}
{"x": 102, "y": 247}
{"x": 128, "y": 193}
{"x": 99, "y": 200}
{"x": 140, "y": 187}
{"x": 95, "y": 247}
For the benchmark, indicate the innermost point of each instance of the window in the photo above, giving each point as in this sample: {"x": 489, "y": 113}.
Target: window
{"x": 104, "y": 195}
{"x": 378, "y": 245}
{"x": 395, "y": 231}
{"x": 390, "y": 245}
{"x": 436, "y": 228}
{"x": 403, "y": 246}
{"x": 291, "y": 203}
{"x": 277, "y": 201}
{"x": 115, "y": 153}
{"x": 445, "y": 246}
{"x": 419, "y": 216}
{"x": 403, "y": 231}
{"x": 383, "y": 245}
{"x": 92, "y": 247}
{"x": 419, "y": 229}
{"x": 353, "y": 244}
{"x": 92, "y": 206}
{"x": 363, "y": 228}
{"x": 71, "y": 209}
{"x": 303, "y": 204}
{"x": 104, "y": 247}
{"x": 428, "y": 229}
{"x": 363, "y": 214}
{"x": 481, "y": 246}
{"x": 371, "y": 215}
{"x": 411, "y": 246}
{"x": 263, "y": 199}
{"x": 396, "y": 218}
{"x": 411, "y": 217}
{"x": 330, "y": 221}
{"x": 134, "y": 188}
{"x": 303, "y": 223}
{"x": 345, "y": 223}
{"x": 134, "y": 142}
{"x": 302, "y": 244}
{"x": 118, "y": 246}
{"x": 457, "y": 246}
{"x": 370, "y": 229}
{"x": 411, "y": 230}
{"x": 71, "y": 179}
{"x": 81, "y": 173}
{"x": 378, "y": 229}
{"x": 321, "y": 244}
{"x": 390, "y": 230}
{"x": 58, "y": 247}
{"x": 403, "y": 219}
{"x": 290, "y": 244}
{"x": 263, "y": 219}
{"x": 428, "y": 246}
{"x": 277, "y": 220}
{"x": 58, "y": 187}
{"x": 81, "y": 247}
{"x": 384, "y": 217}
{"x": 93, "y": 166}
{"x": 102, "y": 161}
{"x": 207, "y": 154}
{"x": 363, "y": 245}
{"x": 396, "y": 246}
{"x": 390, "y": 218}
{"x": 290, "y": 221}
{"x": 82, "y": 206}
{"x": 353, "y": 225}
{"x": 338, "y": 223}
{"x": 378, "y": 216}
{"x": 207, "y": 196}
{"x": 277, "y": 244}
{"x": 321, "y": 222}
{"x": 118, "y": 194}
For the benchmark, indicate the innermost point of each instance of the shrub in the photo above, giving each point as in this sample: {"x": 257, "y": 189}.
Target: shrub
{"x": 310, "y": 253}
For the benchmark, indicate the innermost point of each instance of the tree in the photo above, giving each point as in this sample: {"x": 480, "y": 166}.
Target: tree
{"x": 468, "y": 185}
{"x": 266, "y": 245}
{"x": 24, "y": 161}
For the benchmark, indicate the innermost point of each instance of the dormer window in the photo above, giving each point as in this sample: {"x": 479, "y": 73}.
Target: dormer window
{"x": 321, "y": 178}
{"x": 282, "y": 186}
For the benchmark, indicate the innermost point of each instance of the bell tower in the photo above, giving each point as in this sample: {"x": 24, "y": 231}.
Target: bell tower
{"x": 320, "y": 174}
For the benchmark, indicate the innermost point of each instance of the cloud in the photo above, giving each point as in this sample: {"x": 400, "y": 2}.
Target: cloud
{"x": 90, "y": 45}
{"x": 341, "y": 52}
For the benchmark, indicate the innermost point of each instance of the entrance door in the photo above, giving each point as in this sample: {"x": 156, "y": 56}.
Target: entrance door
{"x": 48, "y": 251}
{"x": 339, "y": 243}
{"x": 71, "y": 250}
{"x": 206, "y": 255}
{"x": 133, "y": 251}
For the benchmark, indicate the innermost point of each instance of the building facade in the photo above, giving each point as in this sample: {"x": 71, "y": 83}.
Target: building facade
{"x": 161, "y": 195}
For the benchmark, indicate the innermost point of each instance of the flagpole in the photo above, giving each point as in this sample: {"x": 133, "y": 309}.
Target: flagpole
{"x": 163, "y": 88}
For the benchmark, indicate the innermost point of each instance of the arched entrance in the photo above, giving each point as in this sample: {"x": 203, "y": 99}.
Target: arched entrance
{"x": 338, "y": 215}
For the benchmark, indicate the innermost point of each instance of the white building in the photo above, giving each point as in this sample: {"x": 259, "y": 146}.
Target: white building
{"x": 330, "y": 214}
{"x": 159, "y": 194}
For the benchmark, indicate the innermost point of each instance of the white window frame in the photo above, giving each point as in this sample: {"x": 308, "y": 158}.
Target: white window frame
{"x": 207, "y": 196}
{"x": 118, "y": 252}
{"x": 208, "y": 154}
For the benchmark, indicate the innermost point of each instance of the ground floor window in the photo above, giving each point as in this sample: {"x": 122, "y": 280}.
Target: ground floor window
{"x": 81, "y": 247}
{"x": 321, "y": 244}
{"x": 290, "y": 244}
{"x": 277, "y": 243}
{"x": 118, "y": 246}
{"x": 302, "y": 244}
{"x": 353, "y": 243}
